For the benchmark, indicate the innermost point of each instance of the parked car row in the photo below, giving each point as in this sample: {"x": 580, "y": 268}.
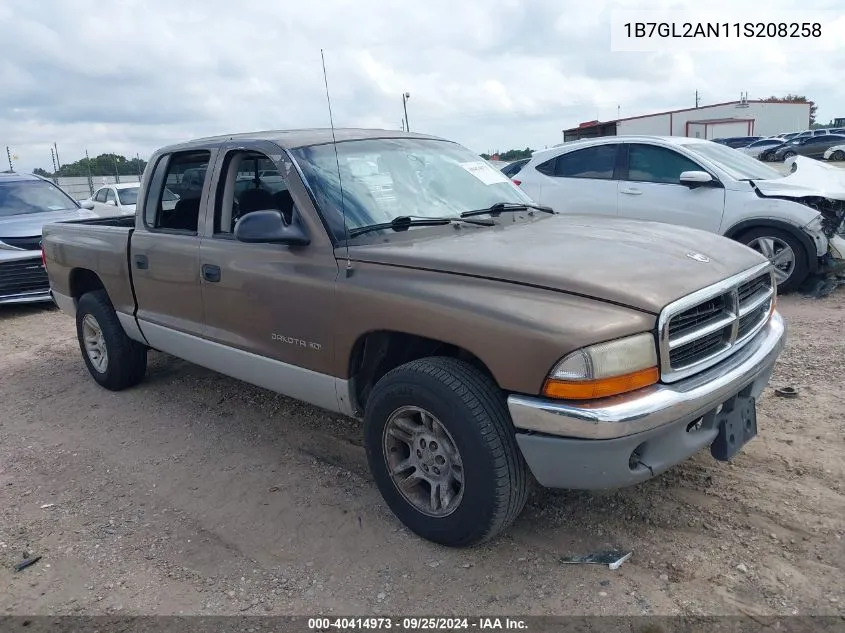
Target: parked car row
{"x": 793, "y": 220}
{"x": 810, "y": 143}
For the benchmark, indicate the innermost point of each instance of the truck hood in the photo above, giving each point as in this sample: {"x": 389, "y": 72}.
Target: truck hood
{"x": 644, "y": 265}
{"x": 30, "y": 224}
{"x": 809, "y": 178}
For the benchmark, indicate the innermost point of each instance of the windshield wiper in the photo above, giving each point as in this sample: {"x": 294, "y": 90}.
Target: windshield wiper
{"x": 499, "y": 207}
{"x": 403, "y": 222}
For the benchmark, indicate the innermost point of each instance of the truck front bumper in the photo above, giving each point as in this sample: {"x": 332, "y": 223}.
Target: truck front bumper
{"x": 623, "y": 440}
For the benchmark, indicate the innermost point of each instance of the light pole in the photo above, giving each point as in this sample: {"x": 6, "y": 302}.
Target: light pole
{"x": 405, "y": 97}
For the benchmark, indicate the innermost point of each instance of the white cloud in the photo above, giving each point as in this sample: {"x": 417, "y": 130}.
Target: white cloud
{"x": 131, "y": 76}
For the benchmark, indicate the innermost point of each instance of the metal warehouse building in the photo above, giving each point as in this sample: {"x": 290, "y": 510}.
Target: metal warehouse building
{"x": 734, "y": 118}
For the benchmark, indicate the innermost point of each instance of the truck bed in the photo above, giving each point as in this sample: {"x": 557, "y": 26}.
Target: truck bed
{"x": 98, "y": 245}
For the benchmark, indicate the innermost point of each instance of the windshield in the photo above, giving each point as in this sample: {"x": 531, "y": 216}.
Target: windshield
{"x": 128, "y": 196}
{"x": 32, "y": 196}
{"x": 738, "y": 165}
{"x": 383, "y": 179}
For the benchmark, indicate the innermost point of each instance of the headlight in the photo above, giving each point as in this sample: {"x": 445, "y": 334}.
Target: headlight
{"x": 605, "y": 369}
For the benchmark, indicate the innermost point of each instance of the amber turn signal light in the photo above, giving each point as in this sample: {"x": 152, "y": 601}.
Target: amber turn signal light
{"x": 600, "y": 388}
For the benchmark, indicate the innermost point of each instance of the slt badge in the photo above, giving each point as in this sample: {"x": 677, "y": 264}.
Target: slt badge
{"x": 698, "y": 257}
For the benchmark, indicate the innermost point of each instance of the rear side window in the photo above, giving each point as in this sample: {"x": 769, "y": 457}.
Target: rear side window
{"x": 649, "y": 163}
{"x": 592, "y": 162}
{"x": 173, "y": 201}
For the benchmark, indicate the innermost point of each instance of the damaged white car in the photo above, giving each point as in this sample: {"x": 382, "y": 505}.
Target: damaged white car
{"x": 794, "y": 219}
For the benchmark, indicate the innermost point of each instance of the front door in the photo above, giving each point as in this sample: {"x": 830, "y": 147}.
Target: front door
{"x": 165, "y": 257}
{"x": 650, "y": 189}
{"x": 269, "y": 308}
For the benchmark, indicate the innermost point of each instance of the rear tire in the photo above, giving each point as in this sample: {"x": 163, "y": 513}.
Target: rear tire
{"x": 113, "y": 359}
{"x": 788, "y": 155}
{"x": 838, "y": 155}
{"x": 773, "y": 244}
{"x": 442, "y": 414}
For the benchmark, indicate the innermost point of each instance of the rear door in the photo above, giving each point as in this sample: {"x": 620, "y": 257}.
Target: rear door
{"x": 580, "y": 181}
{"x": 650, "y": 189}
{"x": 165, "y": 254}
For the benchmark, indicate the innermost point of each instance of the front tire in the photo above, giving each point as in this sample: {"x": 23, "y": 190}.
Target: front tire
{"x": 785, "y": 251}
{"x": 838, "y": 155}
{"x": 442, "y": 450}
{"x": 113, "y": 359}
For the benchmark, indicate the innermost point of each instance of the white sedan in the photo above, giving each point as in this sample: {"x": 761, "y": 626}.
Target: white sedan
{"x": 792, "y": 219}
{"x": 120, "y": 199}
{"x": 837, "y": 153}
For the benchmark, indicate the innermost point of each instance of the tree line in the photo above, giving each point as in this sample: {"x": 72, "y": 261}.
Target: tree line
{"x": 510, "y": 155}
{"x": 102, "y": 165}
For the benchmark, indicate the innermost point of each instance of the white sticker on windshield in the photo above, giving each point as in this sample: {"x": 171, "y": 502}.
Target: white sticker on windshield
{"x": 484, "y": 172}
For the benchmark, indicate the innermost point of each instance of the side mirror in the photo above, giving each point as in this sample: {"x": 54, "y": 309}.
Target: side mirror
{"x": 111, "y": 203}
{"x": 694, "y": 179}
{"x": 268, "y": 227}
{"x": 87, "y": 204}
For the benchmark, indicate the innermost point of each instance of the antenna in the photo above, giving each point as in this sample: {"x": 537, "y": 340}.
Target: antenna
{"x": 337, "y": 162}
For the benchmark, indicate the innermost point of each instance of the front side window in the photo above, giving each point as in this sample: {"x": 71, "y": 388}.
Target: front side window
{"x": 649, "y": 163}
{"x": 250, "y": 183}
{"x": 377, "y": 180}
{"x": 110, "y": 196}
{"x": 32, "y": 196}
{"x": 101, "y": 194}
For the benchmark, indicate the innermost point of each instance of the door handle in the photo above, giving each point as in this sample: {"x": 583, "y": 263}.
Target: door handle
{"x": 141, "y": 262}
{"x": 211, "y": 273}
{"x": 631, "y": 192}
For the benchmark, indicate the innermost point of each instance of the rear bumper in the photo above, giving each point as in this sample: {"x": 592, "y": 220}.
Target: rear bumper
{"x": 588, "y": 445}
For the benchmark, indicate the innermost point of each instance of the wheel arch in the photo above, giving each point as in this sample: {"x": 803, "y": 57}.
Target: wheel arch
{"x": 737, "y": 230}
{"x": 376, "y": 352}
{"x": 83, "y": 280}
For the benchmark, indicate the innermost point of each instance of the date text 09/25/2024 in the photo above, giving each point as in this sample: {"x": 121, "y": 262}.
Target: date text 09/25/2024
{"x": 727, "y": 30}
{"x": 416, "y": 624}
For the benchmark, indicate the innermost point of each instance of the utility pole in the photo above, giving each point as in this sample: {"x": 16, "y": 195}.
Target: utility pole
{"x": 116, "y": 170}
{"x": 405, "y": 97}
{"x": 697, "y": 98}
{"x": 402, "y": 123}
{"x": 58, "y": 162}
{"x": 9, "y": 156}
{"x": 90, "y": 180}
{"x": 138, "y": 163}
{"x": 618, "y": 112}
{"x": 55, "y": 173}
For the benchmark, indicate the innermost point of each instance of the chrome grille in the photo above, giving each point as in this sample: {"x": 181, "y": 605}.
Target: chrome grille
{"x": 699, "y": 330}
{"x": 23, "y": 275}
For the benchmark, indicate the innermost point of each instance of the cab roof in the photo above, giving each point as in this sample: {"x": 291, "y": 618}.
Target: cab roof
{"x": 292, "y": 139}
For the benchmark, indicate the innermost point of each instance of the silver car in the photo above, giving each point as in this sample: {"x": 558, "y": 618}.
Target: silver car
{"x": 27, "y": 203}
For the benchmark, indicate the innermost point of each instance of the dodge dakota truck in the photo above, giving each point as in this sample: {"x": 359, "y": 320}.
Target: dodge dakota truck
{"x": 486, "y": 342}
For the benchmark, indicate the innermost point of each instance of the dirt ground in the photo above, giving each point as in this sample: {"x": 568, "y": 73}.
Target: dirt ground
{"x": 197, "y": 494}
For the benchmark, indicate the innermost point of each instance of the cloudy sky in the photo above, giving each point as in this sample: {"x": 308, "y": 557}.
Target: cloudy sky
{"x": 130, "y": 76}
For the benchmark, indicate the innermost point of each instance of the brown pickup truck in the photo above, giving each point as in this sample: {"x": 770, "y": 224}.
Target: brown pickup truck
{"x": 485, "y": 341}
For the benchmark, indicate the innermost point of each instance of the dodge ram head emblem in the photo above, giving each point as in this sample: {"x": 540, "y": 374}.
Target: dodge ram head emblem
{"x": 698, "y": 257}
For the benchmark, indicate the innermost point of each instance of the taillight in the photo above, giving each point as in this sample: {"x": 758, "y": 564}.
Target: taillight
{"x": 516, "y": 182}
{"x": 43, "y": 257}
